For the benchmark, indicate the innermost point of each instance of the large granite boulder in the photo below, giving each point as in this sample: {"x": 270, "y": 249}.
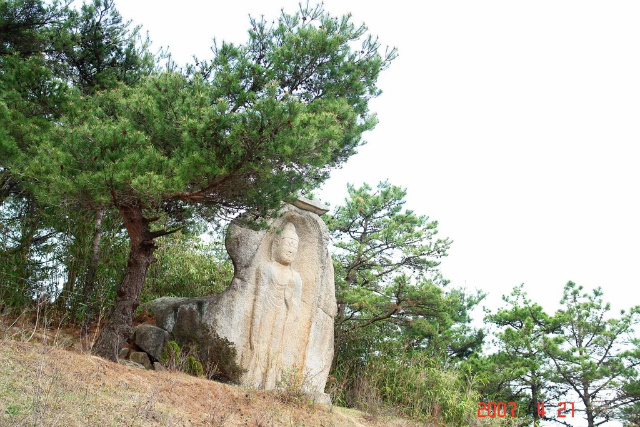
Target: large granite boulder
{"x": 151, "y": 339}
{"x": 278, "y": 311}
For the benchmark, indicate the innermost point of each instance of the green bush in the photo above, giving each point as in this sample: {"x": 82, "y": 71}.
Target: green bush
{"x": 187, "y": 267}
{"x": 219, "y": 359}
{"x": 193, "y": 367}
{"x": 171, "y": 356}
{"x": 414, "y": 386}
{"x": 215, "y": 359}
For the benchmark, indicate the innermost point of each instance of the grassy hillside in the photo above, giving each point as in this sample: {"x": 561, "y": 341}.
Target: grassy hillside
{"x": 58, "y": 384}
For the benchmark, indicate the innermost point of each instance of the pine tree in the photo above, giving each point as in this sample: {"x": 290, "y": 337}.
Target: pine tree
{"x": 242, "y": 132}
{"x": 49, "y": 54}
{"x": 523, "y": 364}
{"x": 595, "y": 355}
{"x": 387, "y": 282}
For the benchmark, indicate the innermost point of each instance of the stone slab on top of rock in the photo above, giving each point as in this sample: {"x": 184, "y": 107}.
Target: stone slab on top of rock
{"x": 280, "y": 307}
{"x": 311, "y": 205}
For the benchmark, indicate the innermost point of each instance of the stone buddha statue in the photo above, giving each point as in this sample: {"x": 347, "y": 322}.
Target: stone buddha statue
{"x": 276, "y": 311}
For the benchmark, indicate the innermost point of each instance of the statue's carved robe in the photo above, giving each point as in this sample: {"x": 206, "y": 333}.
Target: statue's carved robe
{"x": 276, "y": 318}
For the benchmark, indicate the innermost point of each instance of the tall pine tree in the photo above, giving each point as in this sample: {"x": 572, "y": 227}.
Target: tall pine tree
{"x": 242, "y": 132}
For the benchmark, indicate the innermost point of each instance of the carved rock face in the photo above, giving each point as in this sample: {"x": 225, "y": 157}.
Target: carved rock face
{"x": 280, "y": 307}
{"x": 289, "y": 295}
{"x": 286, "y": 250}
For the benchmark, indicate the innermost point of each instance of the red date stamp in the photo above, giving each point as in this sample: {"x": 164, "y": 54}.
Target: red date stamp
{"x": 562, "y": 409}
{"x": 503, "y": 409}
{"x": 493, "y": 409}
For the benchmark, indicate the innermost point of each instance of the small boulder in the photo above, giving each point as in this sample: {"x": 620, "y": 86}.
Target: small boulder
{"x": 157, "y": 366}
{"x": 130, "y": 363}
{"x": 124, "y": 353}
{"x": 151, "y": 339}
{"x": 140, "y": 357}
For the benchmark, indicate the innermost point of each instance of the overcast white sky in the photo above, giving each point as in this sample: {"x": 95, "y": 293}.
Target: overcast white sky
{"x": 514, "y": 124}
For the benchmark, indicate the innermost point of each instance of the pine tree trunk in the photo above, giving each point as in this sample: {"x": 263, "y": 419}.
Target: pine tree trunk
{"x": 89, "y": 282}
{"x": 120, "y": 323}
{"x": 29, "y": 220}
{"x": 586, "y": 399}
{"x": 534, "y": 400}
{"x": 68, "y": 289}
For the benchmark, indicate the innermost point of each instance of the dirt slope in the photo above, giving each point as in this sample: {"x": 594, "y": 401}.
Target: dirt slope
{"x": 51, "y": 386}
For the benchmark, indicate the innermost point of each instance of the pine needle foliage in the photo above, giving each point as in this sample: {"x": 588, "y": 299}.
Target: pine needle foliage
{"x": 244, "y": 131}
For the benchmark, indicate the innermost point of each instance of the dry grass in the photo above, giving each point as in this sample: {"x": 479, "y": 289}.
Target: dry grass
{"x": 59, "y": 385}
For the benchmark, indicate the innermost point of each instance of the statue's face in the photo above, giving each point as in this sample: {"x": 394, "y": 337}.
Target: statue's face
{"x": 286, "y": 250}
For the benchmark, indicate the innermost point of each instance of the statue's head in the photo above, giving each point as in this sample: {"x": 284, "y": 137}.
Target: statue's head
{"x": 286, "y": 245}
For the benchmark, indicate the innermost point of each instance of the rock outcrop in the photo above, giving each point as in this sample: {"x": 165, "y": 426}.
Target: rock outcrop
{"x": 151, "y": 340}
{"x": 278, "y": 311}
